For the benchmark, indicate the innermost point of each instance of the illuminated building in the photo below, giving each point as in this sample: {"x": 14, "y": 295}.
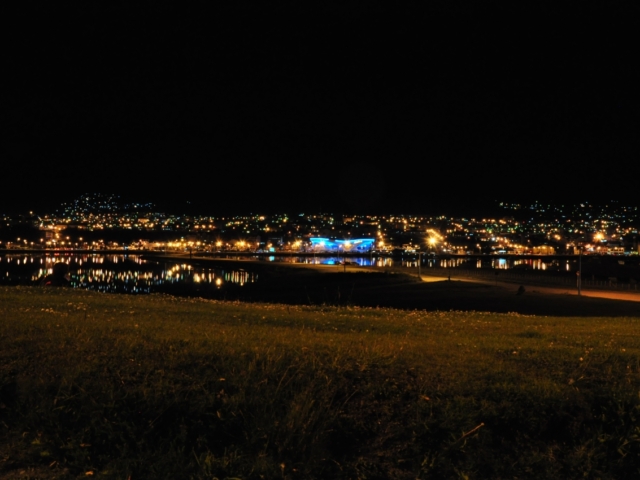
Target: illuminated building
{"x": 358, "y": 245}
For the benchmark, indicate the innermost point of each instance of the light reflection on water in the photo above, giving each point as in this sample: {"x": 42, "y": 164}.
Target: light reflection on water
{"x": 133, "y": 274}
{"x": 360, "y": 261}
{"x": 117, "y": 273}
{"x": 411, "y": 261}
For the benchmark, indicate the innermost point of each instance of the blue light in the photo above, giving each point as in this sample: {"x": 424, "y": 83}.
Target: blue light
{"x": 357, "y": 245}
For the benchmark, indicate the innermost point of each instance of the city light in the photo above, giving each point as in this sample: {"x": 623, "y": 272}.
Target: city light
{"x": 96, "y": 222}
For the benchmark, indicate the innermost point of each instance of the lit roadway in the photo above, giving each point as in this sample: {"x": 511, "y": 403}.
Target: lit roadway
{"x": 559, "y": 290}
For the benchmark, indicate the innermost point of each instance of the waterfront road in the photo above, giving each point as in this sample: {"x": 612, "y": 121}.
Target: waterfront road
{"x": 549, "y": 289}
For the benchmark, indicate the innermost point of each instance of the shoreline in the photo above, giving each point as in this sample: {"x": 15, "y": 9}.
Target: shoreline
{"x": 457, "y": 275}
{"x": 401, "y": 288}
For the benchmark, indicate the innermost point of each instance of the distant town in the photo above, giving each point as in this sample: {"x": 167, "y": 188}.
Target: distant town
{"x": 105, "y": 222}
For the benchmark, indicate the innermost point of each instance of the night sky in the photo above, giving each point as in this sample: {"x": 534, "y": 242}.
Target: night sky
{"x": 354, "y": 106}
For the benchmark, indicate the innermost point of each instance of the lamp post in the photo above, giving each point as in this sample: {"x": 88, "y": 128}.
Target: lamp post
{"x": 345, "y": 246}
{"x": 579, "y": 271}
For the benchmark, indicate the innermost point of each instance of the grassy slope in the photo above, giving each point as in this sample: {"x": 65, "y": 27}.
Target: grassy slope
{"x": 159, "y": 387}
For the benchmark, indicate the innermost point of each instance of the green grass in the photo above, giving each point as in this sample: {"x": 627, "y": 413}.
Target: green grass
{"x": 162, "y": 387}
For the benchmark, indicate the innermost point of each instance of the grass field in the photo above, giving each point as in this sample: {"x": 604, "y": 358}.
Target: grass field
{"x": 106, "y": 386}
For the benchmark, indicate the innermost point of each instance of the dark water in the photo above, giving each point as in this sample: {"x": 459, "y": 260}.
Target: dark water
{"x": 411, "y": 261}
{"x": 136, "y": 275}
{"x": 117, "y": 273}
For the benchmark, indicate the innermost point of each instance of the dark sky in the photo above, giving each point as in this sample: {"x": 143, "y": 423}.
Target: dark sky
{"x": 353, "y": 106}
